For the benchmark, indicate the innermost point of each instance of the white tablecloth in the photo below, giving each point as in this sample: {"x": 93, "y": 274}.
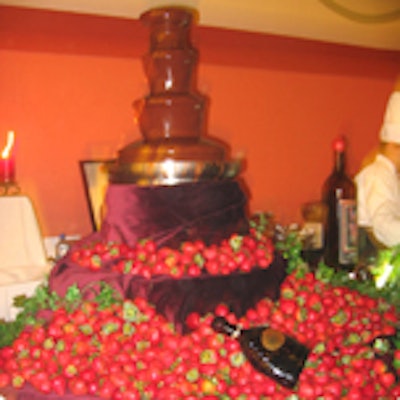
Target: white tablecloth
{"x": 23, "y": 261}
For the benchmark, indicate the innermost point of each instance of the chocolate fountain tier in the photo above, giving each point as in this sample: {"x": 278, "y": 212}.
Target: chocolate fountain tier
{"x": 166, "y": 72}
{"x": 180, "y": 149}
{"x": 172, "y": 172}
{"x": 171, "y": 116}
{"x": 169, "y": 26}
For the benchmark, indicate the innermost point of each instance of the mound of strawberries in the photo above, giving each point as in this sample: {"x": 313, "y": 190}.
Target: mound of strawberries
{"x": 127, "y": 351}
{"x": 235, "y": 254}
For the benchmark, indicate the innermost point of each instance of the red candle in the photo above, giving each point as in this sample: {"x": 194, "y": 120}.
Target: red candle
{"x": 7, "y": 161}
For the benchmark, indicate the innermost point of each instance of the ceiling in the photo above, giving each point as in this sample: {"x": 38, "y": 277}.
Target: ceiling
{"x": 366, "y": 23}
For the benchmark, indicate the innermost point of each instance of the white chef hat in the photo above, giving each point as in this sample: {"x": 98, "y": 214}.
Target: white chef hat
{"x": 390, "y": 131}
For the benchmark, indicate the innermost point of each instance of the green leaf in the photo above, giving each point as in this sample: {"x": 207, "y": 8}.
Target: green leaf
{"x": 73, "y": 294}
{"x": 340, "y": 318}
{"x": 19, "y": 301}
{"x": 128, "y": 329}
{"x": 382, "y": 345}
{"x": 320, "y": 348}
{"x": 208, "y": 356}
{"x": 192, "y": 375}
{"x": 199, "y": 259}
{"x": 324, "y": 273}
{"x": 107, "y": 296}
{"x": 237, "y": 359}
{"x": 236, "y": 242}
{"x": 131, "y": 313}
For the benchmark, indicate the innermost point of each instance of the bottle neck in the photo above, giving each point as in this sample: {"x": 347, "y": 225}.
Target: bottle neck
{"x": 340, "y": 162}
{"x": 233, "y": 331}
{"x": 221, "y": 325}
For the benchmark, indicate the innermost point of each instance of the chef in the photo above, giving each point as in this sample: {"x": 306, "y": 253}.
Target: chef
{"x": 378, "y": 184}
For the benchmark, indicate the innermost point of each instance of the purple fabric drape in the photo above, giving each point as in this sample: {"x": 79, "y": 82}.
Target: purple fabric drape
{"x": 169, "y": 215}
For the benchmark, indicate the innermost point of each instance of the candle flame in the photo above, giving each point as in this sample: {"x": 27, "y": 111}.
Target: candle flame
{"x": 9, "y": 145}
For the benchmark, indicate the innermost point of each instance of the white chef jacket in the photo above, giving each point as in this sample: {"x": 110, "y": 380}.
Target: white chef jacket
{"x": 378, "y": 200}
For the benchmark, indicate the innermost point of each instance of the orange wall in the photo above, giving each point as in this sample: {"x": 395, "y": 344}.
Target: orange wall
{"x": 68, "y": 81}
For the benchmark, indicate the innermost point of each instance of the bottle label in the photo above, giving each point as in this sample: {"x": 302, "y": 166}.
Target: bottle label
{"x": 348, "y": 231}
{"x": 271, "y": 339}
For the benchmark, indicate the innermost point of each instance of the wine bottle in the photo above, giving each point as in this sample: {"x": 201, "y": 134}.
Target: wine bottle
{"x": 339, "y": 197}
{"x": 270, "y": 351}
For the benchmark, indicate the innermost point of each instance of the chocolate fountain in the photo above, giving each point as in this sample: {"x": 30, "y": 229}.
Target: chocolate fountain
{"x": 172, "y": 117}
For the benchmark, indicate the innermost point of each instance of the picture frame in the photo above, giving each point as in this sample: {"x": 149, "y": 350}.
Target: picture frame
{"x": 95, "y": 180}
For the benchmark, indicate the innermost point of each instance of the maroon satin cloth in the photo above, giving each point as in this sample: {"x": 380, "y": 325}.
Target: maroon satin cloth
{"x": 170, "y": 215}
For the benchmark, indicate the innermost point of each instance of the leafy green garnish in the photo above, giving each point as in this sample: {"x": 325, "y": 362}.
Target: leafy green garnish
{"x": 386, "y": 269}
{"x": 44, "y": 299}
{"x": 290, "y": 247}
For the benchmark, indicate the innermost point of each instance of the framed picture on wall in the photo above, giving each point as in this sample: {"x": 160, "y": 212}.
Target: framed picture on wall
{"x": 95, "y": 180}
